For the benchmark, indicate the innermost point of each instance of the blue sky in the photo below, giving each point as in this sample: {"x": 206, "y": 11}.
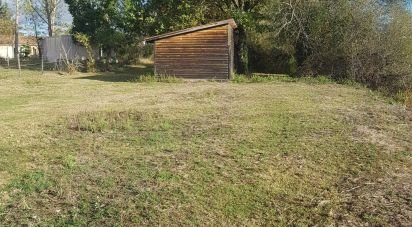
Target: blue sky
{"x": 66, "y": 17}
{"x": 27, "y": 28}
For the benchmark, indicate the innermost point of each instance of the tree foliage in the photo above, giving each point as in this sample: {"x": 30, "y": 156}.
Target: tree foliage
{"x": 247, "y": 14}
{"x": 4, "y": 10}
{"x": 363, "y": 40}
{"x": 6, "y": 24}
{"x": 102, "y": 21}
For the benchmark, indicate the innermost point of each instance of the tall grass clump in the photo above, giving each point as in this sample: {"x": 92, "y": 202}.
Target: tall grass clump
{"x": 151, "y": 78}
{"x": 405, "y": 97}
{"x": 264, "y": 78}
{"x": 104, "y": 120}
{"x": 408, "y": 99}
{"x": 257, "y": 78}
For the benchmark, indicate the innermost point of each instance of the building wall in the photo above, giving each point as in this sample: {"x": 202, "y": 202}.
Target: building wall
{"x": 203, "y": 54}
{"x": 6, "y": 52}
{"x": 34, "y": 51}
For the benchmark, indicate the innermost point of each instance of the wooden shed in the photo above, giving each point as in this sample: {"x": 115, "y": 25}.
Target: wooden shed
{"x": 203, "y": 52}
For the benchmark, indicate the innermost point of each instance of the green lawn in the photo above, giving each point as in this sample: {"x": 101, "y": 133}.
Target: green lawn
{"x": 105, "y": 150}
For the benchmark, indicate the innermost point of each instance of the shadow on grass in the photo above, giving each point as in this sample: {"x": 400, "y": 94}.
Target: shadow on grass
{"x": 122, "y": 74}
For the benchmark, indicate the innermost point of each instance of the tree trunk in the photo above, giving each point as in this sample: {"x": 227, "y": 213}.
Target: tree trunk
{"x": 50, "y": 8}
{"x": 50, "y": 25}
{"x": 108, "y": 59}
{"x": 242, "y": 51}
{"x": 36, "y": 32}
{"x": 16, "y": 40}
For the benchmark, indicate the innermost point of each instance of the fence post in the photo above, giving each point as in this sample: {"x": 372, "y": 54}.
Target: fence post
{"x": 16, "y": 45}
{"x": 7, "y": 58}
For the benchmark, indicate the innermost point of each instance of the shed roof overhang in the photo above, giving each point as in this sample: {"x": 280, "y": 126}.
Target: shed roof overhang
{"x": 230, "y": 22}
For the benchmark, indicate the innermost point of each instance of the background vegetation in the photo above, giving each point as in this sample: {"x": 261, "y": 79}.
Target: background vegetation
{"x": 368, "y": 41}
{"x": 6, "y": 25}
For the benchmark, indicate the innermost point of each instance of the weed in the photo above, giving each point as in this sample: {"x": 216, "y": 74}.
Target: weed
{"x": 33, "y": 81}
{"x": 72, "y": 68}
{"x": 69, "y": 161}
{"x": 169, "y": 79}
{"x": 405, "y": 97}
{"x": 239, "y": 78}
{"x": 165, "y": 175}
{"x": 408, "y": 99}
{"x": 32, "y": 182}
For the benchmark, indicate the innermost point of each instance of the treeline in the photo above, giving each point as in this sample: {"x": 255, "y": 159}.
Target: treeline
{"x": 6, "y": 25}
{"x": 368, "y": 41}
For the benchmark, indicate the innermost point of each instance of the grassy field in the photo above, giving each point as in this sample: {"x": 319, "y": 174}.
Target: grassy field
{"x": 108, "y": 150}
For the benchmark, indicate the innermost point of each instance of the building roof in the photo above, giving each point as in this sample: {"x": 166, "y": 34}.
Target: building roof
{"x": 5, "y": 39}
{"x": 23, "y": 40}
{"x": 230, "y": 22}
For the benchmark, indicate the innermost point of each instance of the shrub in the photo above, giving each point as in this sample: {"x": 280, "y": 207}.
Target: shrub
{"x": 84, "y": 40}
{"x": 25, "y": 51}
{"x": 72, "y": 68}
{"x": 362, "y": 40}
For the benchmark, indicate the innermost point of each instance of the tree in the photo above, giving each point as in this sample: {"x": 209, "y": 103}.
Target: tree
{"x": 47, "y": 10}
{"x": 248, "y": 17}
{"x": 6, "y": 24}
{"x": 34, "y": 23}
{"x": 363, "y": 40}
{"x": 103, "y": 22}
{"x": 4, "y": 10}
{"x": 171, "y": 15}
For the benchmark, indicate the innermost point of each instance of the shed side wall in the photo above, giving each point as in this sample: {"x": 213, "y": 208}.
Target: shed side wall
{"x": 199, "y": 55}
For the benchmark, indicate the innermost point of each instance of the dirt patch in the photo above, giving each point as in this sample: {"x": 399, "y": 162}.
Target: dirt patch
{"x": 373, "y": 201}
{"x": 382, "y": 139}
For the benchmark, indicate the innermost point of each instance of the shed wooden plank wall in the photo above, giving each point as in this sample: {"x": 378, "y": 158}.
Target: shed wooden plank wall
{"x": 201, "y": 54}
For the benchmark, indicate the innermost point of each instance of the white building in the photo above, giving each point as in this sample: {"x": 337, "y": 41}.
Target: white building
{"x": 7, "y": 46}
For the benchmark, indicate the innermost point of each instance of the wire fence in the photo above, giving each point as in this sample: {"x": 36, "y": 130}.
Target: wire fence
{"x": 32, "y": 63}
